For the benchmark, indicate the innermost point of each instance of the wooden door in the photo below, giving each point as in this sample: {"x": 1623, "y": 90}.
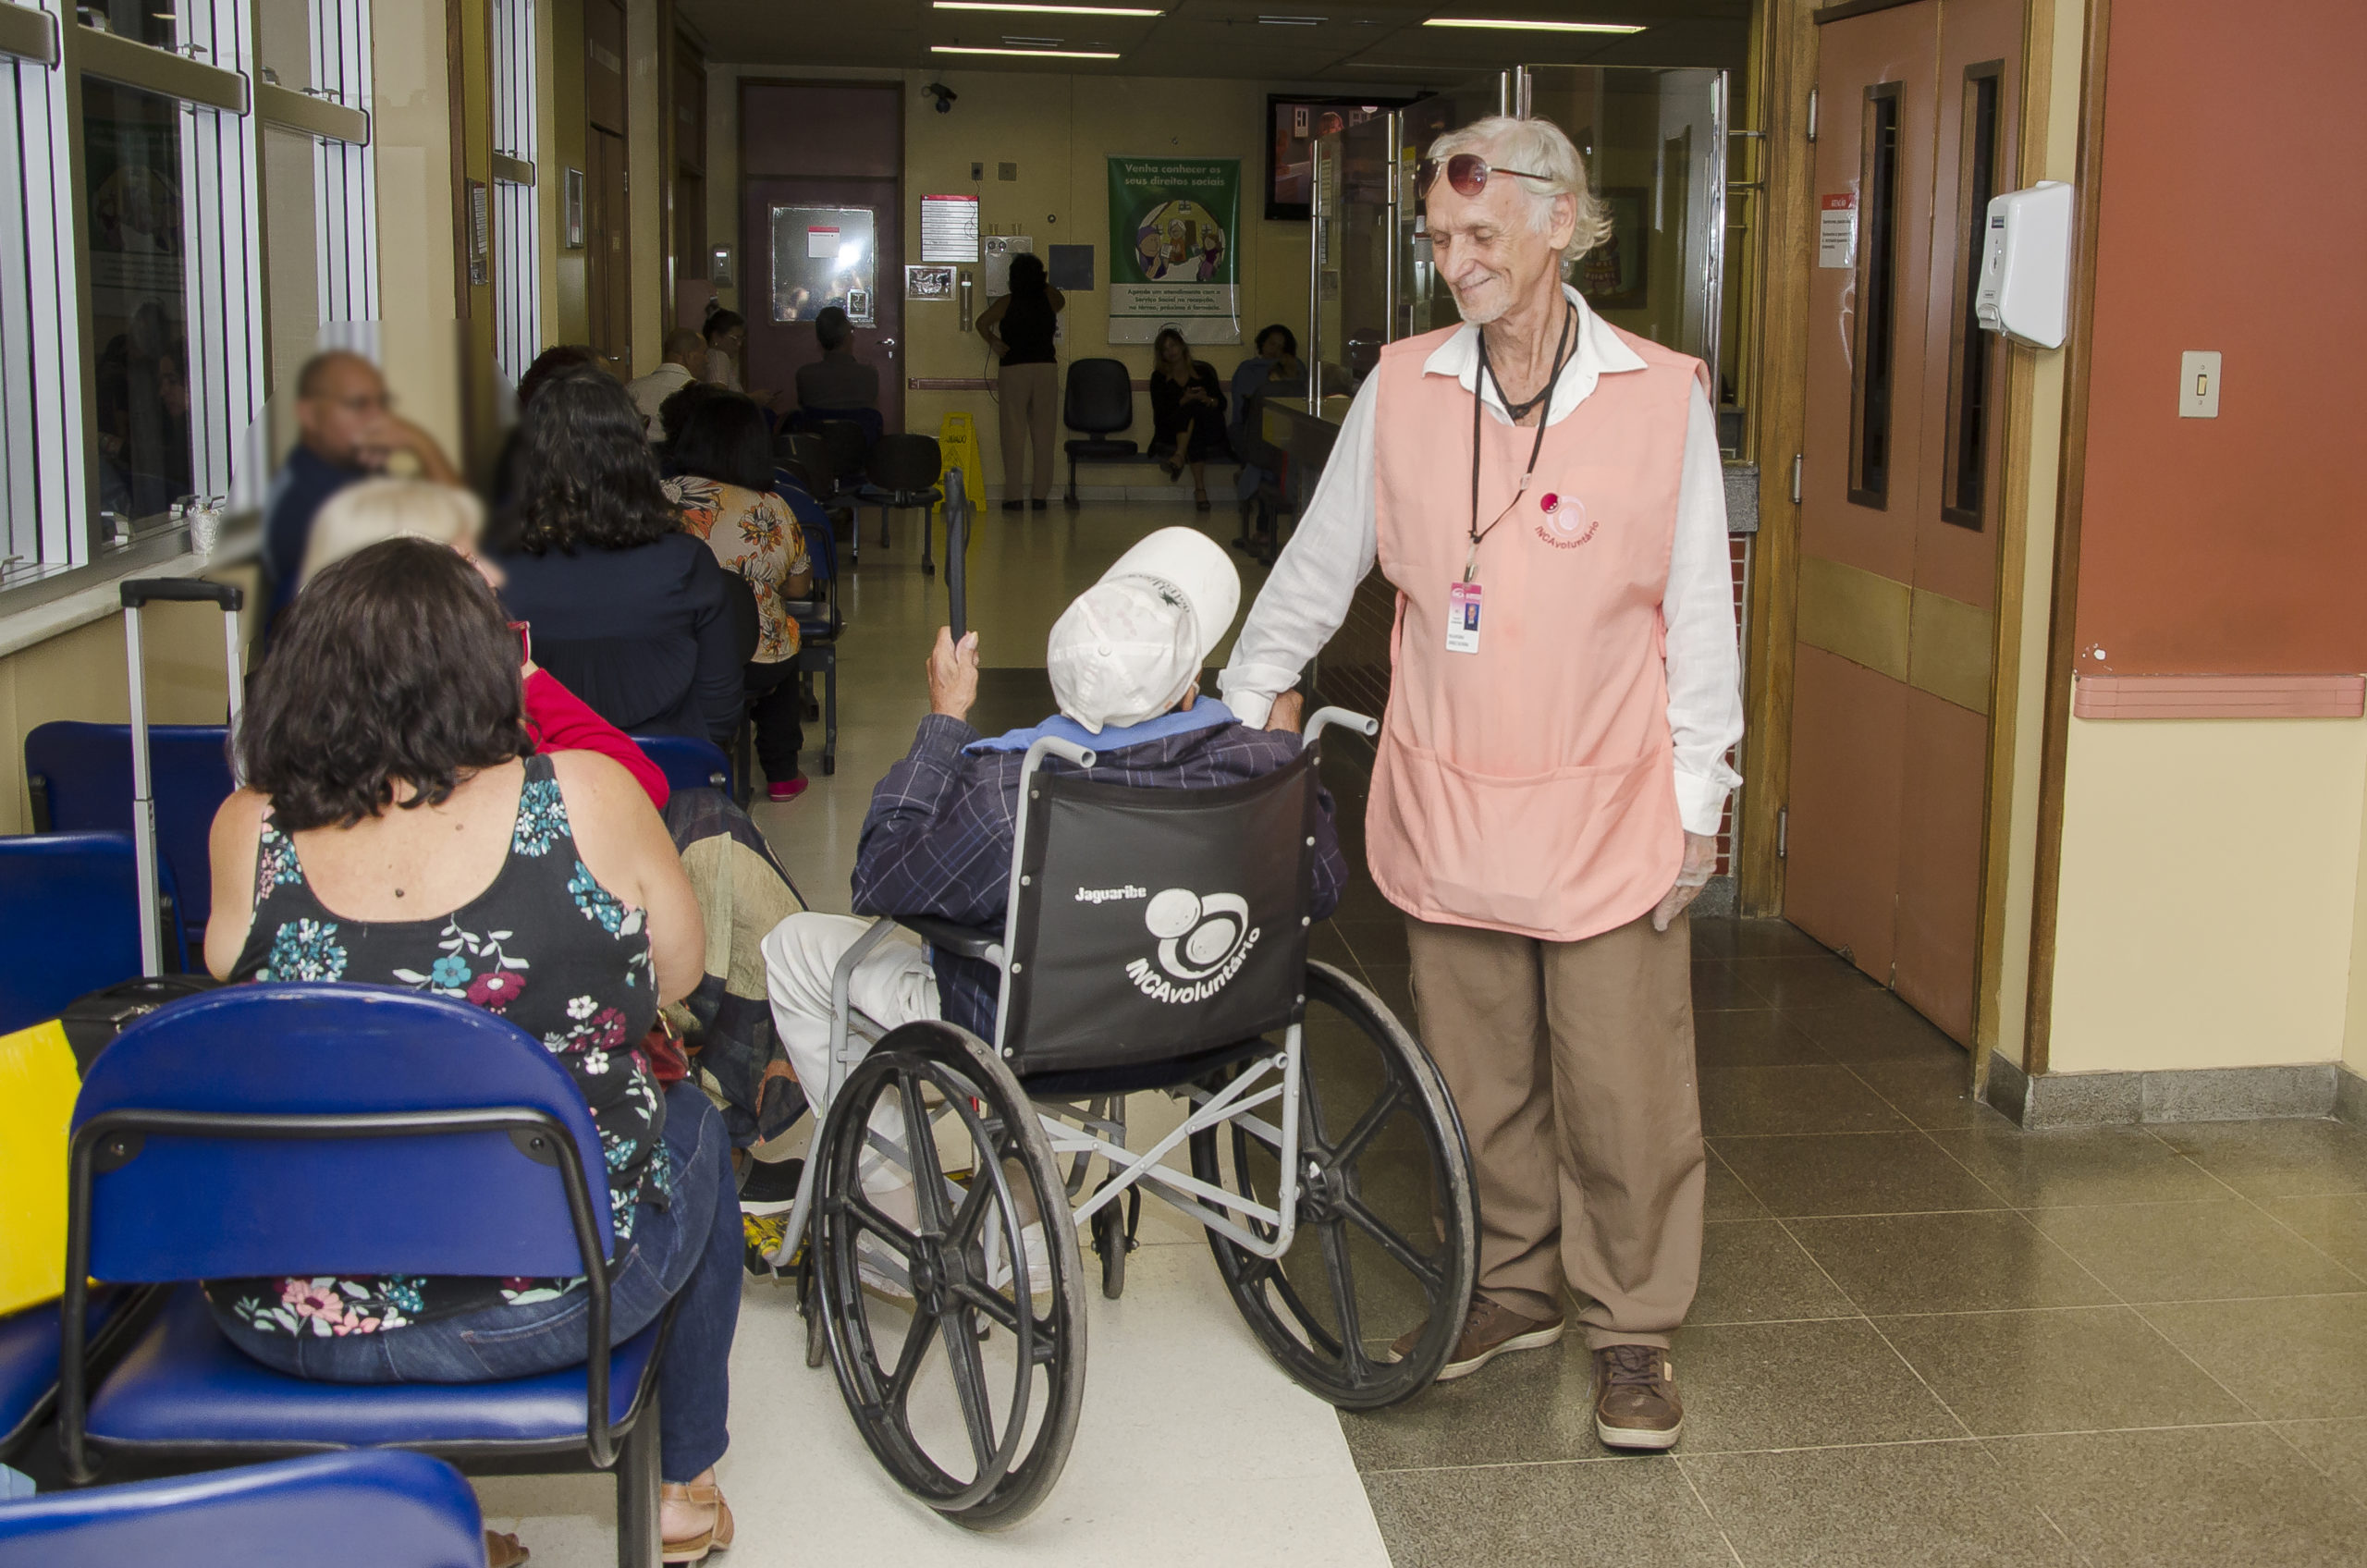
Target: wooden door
{"x": 822, "y": 144}
{"x": 1890, "y": 733}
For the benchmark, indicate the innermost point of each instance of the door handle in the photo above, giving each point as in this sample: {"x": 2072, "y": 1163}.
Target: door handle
{"x": 888, "y": 344}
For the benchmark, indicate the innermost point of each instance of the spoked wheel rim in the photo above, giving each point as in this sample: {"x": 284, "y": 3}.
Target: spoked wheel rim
{"x": 1387, "y": 1229}
{"x": 1017, "y": 1404}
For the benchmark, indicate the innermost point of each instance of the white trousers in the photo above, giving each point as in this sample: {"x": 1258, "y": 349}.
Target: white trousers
{"x": 893, "y": 986}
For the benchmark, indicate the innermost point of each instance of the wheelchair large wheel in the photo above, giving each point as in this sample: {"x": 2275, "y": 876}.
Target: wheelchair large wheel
{"x": 1387, "y": 1241}
{"x": 951, "y": 1288}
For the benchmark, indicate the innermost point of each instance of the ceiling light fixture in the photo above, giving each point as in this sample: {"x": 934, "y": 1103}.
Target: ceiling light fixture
{"x": 1066, "y": 10}
{"x": 1032, "y": 54}
{"x": 1514, "y": 24}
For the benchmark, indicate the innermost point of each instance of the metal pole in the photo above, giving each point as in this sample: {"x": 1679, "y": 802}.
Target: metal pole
{"x": 956, "y": 562}
{"x": 143, "y": 799}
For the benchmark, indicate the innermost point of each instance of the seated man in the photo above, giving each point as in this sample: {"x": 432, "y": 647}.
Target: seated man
{"x": 837, "y": 380}
{"x": 685, "y": 364}
{"x": 1125, "y": 660}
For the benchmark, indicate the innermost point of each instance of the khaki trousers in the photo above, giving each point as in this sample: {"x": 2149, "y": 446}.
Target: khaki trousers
{"x": 1572, "y": 1065}
{"x": 1030, "y": 398}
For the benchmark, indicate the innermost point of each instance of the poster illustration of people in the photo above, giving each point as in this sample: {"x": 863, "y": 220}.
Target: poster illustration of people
{"x": 1174, "y": 223}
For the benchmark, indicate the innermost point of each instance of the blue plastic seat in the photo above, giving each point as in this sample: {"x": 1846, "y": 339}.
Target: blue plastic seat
{"x": 357, "y": 1510}
{"x": 29, "y": 1342}
{"x": 687, "y": 762}
{"x": 81, "y": 779}
{"x": 70, "y": 921}
{"x": 345, "y": 1129}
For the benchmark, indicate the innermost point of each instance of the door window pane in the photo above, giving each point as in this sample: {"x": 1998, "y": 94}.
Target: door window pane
{"x": 1877, "y": 299}
{"x": 1973, "y": 349}
{"x": 138, "y": 293}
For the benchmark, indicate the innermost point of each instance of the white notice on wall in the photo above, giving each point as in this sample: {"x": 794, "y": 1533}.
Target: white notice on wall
{"x": 822, "y": 244}
{"x": 949, "y": 228}
{"x": 1837, "y": 233}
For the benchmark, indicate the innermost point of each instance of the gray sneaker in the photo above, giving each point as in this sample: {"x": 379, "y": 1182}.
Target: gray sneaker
{"x": 1489, "y": 1331}
{"x": 1635, "y": 1398}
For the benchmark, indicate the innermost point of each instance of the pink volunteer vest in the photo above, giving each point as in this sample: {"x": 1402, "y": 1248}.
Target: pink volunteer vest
{"x": 1529, "y": 787}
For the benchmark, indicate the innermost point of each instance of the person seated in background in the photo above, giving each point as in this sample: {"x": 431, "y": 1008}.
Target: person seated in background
{"x": 1187, "y": 412}
{"x": 1275, "y": 371}
{"x": 634, "y": 615}
{"x": 685, "y": 362}
{"x": 379, "y": 510}
{"x": 349, "y": 431}
{"x": 724, "y": 485}
{"x": 397, "y": 827}
{"x": 837, "y": 380}
{"x": 1125, "y": 659}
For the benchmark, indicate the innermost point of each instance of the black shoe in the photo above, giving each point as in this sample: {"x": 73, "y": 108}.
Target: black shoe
{"x": 1038, "y": 505}
{"x": 1014, "y": 506}
{"x": 770, "y": 1189}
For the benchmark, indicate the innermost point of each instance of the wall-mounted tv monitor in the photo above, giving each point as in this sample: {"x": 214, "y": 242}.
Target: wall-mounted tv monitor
{"x": 1291, "y": 126}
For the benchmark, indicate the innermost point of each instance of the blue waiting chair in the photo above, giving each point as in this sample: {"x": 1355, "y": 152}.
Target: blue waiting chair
{"x": 70, "y": 921}
{"x": 688, "y": 762}
{"x": 81, "y": 779}
{"x": 272, "y": 1129}
{"x": 358, "y": 1510}
{"x": 28, "y": 1342}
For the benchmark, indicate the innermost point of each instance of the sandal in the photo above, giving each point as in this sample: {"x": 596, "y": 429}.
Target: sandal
{"x": 503, "y": 1550}
{"x": 1200, "y": 499}
{"x": 717, "y": 1536}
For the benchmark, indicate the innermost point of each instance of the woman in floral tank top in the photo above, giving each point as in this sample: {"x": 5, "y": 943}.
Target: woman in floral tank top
{"x": 397, "y": 829}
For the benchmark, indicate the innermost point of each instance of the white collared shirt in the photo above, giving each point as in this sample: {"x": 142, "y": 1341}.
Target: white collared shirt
{"x": 1306, "y": 596}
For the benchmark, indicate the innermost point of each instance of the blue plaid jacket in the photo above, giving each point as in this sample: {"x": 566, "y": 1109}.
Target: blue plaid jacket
{"x": 938, "y": 838}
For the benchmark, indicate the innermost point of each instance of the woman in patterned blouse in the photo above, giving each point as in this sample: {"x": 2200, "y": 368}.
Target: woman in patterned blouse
{"x": 398, "y": 828}
{"x": 722, "y": 458}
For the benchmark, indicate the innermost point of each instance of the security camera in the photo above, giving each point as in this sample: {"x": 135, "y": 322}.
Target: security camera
{"x": 943, "y": 94}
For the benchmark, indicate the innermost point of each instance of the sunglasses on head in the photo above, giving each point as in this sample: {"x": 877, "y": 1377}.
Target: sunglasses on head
{"x": 1466, "y": 173}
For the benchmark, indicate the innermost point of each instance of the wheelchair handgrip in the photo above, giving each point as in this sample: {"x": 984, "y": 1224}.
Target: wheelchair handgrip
{"x": 138, "y": 590}
{"x": 1325, "y": 717}
{"x": 1067, "y": 751}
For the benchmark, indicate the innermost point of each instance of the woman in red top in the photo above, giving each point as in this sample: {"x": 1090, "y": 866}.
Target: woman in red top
{"x": 361, "y": 515}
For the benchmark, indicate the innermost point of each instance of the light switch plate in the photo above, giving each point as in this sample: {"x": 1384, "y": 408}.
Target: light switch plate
{"x": 2199, "y": 383}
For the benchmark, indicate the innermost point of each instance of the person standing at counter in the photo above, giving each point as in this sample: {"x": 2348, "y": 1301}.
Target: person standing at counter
{"x": 1543, "y": 490}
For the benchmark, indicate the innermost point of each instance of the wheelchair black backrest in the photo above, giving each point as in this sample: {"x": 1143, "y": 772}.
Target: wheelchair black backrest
{"x": 1153, "y": 925}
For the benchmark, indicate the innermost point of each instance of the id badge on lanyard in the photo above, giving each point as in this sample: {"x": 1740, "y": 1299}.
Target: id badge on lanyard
{"x": 1463, "y": 598}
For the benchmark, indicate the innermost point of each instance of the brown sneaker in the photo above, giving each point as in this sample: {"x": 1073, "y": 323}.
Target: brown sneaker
{"x": 1635, "y": 1398}
{"x": 1489, "y": 1331}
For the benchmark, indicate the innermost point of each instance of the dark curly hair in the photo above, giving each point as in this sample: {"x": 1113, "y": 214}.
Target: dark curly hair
{"x": 1027, "y": 275}
{"x": 394, "y": 663}
{"x": 552, "y": 363}
{"x": 675, "y": 411}
{"x": 585, "y": 477}
{"x": 723, "y": 438}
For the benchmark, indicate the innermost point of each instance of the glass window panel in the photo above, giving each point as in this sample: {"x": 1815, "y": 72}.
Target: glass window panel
{"x": 137, "y": 296}
{"x": 146, "y": 21}
{"x": 1877, "y": 299}
{"x": 823, "y": 256}
{"x": 20, "y": 492}
{"x": 1972, "y": 350}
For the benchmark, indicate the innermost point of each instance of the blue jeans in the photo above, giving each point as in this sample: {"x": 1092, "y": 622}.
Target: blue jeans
{"x": 692, "y": 1248}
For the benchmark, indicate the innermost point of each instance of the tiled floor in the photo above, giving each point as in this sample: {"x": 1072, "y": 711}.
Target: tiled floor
{"x": 1924, "y": 1336}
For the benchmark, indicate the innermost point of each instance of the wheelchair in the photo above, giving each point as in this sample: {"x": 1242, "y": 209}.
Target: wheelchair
{"x": 1155, "y": 940}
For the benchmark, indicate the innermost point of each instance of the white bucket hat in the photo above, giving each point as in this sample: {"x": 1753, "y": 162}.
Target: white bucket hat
{"x": 1130, "y": 646}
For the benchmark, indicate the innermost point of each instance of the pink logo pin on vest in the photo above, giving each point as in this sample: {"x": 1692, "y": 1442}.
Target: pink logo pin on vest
{"x": 1566, "y": 525}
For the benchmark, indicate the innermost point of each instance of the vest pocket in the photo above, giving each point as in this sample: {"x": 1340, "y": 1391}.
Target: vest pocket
{"x": 1562, "y": 854}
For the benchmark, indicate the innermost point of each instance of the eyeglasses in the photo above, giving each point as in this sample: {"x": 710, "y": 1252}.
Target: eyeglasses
{"x": 1466, "y": 173}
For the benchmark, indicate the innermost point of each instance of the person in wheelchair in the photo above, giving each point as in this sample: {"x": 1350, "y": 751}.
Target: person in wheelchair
{"x": 1125, "y": 660}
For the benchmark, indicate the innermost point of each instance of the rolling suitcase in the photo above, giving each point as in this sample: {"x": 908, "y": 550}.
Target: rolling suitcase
{"x": 138, "y": 593}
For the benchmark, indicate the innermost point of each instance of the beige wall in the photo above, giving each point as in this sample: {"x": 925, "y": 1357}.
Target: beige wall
{"x": 2210, "y": 894}
{"x": 2354, "y": 1032}
{"x": 1059, "y": 129}
{"x": 646, "y": 186}
{"x": 412, "y": 142}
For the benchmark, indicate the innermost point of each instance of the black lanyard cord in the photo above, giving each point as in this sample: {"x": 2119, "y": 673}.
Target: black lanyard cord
{"x": 1565, "y": 351}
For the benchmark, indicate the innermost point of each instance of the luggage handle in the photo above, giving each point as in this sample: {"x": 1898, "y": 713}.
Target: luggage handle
{"x": 138, "y": 590}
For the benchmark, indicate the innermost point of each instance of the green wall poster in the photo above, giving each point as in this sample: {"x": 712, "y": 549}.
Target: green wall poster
{"x": 1175, "y": 249}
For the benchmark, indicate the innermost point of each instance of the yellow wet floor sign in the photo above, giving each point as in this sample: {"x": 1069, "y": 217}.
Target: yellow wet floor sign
{"x": 957, "y": 445}
{"x": 38, "y": 1084}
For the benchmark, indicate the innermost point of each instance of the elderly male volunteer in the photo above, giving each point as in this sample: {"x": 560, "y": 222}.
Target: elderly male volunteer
{"x": 1543, "y": 492}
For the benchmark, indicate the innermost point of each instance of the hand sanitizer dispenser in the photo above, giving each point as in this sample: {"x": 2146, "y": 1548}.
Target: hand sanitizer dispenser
{"x": 2026, "y": 266}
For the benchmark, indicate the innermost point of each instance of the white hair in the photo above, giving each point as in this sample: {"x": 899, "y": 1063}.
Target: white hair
{"x": 377, "y": 509}
{"x": 1540, "y": 149}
